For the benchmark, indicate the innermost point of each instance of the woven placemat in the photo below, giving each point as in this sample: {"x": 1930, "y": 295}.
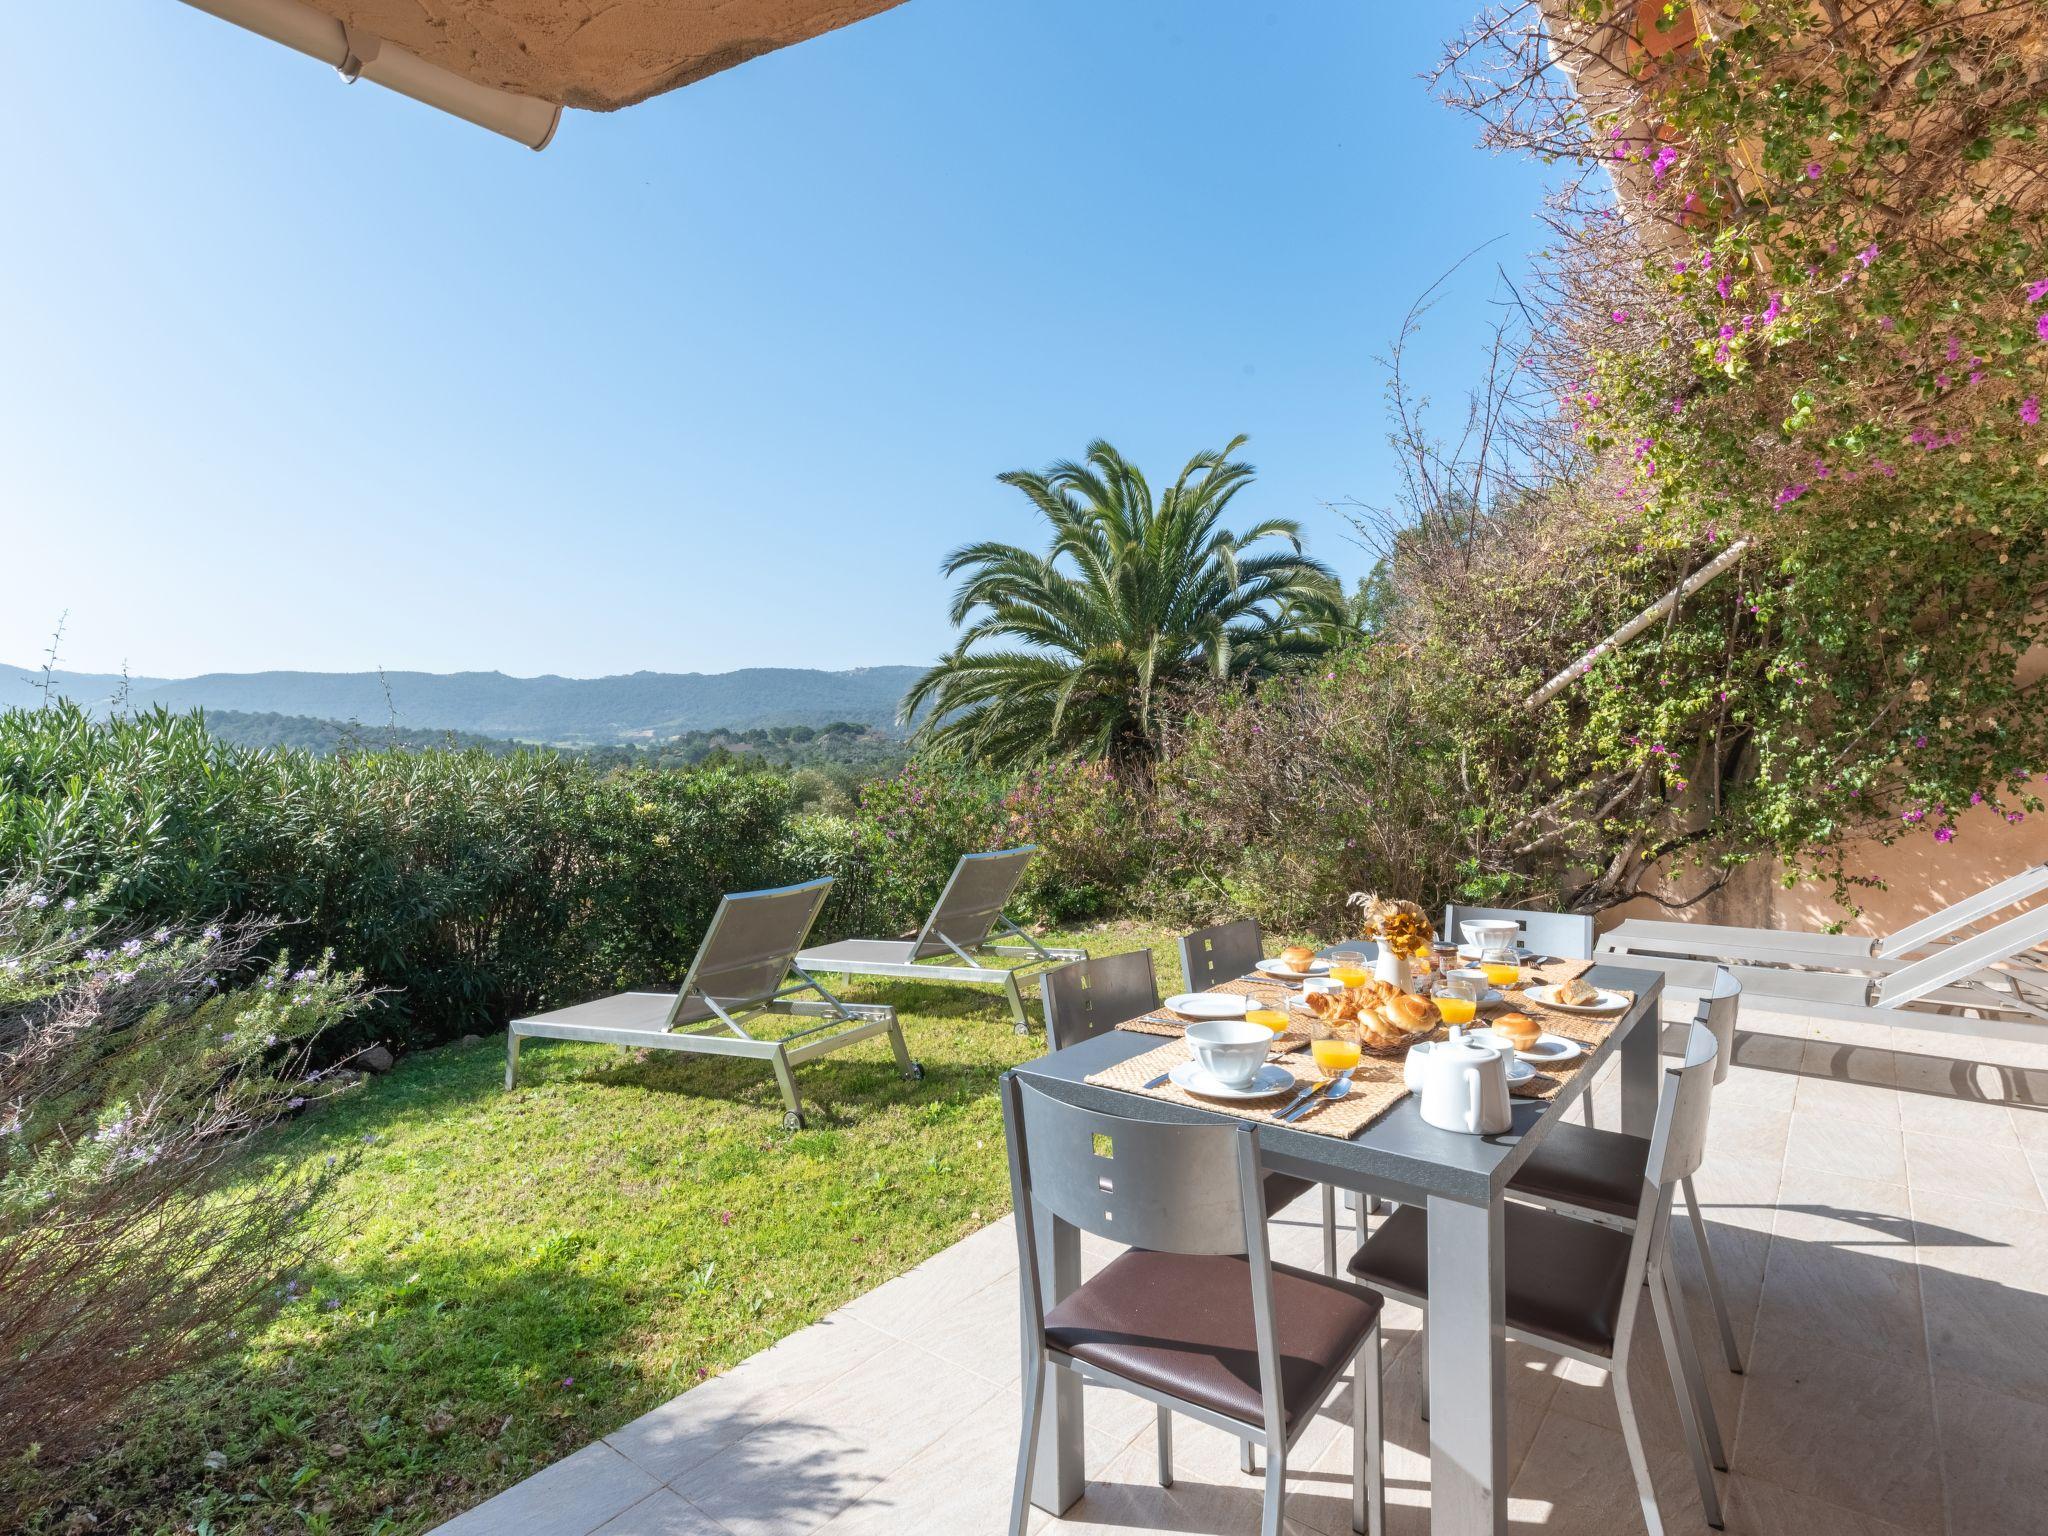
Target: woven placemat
{"x": 1263, "y": 994}
{"x": 1589, "y": 1029}
{"x": 1376, "y": 1087}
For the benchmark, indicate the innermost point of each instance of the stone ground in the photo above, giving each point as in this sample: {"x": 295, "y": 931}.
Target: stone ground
{"x": 1876, "y": 1198}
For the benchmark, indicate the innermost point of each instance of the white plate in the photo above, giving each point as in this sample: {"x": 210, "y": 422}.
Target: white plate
{"x": 1548, "y": 1047}
{"x": 1275, "y": 968}
{"x": 1523, "y": 955}
{"x": 1271, "y": 1079}
{"x": 1209, "y": 1005}
{"x": 1606, "y": 1002}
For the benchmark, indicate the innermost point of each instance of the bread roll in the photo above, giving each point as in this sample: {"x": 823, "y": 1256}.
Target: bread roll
{"x": 1415, "y": 1015}
{"x": 1298, "y": 957}
{"x": 1518, "y": 1029}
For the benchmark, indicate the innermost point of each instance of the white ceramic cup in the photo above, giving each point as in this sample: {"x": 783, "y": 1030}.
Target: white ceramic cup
{"x": 1485, "y": 931}
{"x": 1229, "y": 1050}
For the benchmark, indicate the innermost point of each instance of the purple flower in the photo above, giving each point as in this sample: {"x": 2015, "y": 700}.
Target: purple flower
{"x": 1868, "y": 254}
{"x": 1724, "y": 285}
{"x": 132, "y": 948}
{"x": 162, "y": 935}
{"x": 294, "y": 1102}
{"x": 1666, "y": 158}
{"x": 1813, "y": 170}
{"x": 1620, "y": 317}
{"x": 211, "y": 935}
{"x": 1791, "y": 493}
{"x": 2041, "y": 325}
{"x": 2030, "y": 410}
{"x": 2036, "y": 292}
{"x": 95, "y": 956}
{"x": 38, "y": 901}
{"x": 1944, "y": 834}
{"x": 70, "y": 904}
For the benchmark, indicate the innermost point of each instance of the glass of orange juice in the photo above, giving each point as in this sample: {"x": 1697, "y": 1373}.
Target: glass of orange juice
{"x": 1502, "y": 969}
{"x": 1335, "y": 1053}
{"x": 1453, "y": 1008}
{"x": 1348, "y": 968}
{"x": 1272, "y": 1018}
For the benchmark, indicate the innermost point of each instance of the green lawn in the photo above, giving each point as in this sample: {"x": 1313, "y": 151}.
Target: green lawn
{"x": 509, "y": 1276}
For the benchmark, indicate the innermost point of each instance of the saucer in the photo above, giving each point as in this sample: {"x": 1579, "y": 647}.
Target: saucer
{"x": 1271, "y": 1079}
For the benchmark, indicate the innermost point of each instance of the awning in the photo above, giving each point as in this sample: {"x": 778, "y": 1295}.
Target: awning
{"x": 512, "y": 65}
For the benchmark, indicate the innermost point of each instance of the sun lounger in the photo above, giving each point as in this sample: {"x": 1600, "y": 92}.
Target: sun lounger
{"x": 741, "y": 972}
{"x": 1699, "y": 939}
{"x": 969, "y": 910}
{"x": 1935, "y": 975}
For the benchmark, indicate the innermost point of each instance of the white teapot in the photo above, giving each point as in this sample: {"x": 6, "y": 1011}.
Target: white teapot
{"x": 1463, "y": 1085}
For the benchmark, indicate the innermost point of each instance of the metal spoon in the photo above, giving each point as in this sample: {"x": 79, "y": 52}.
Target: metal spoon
{"x": 1335, "y": 1091}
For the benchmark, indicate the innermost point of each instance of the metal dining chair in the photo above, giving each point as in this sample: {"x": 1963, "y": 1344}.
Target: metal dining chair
{"x": 1194, "y": 1316}
{"x": 1561, "y": 935}
{"x": 1088, "y": 997}
{"x": 1597, "y": 1176}
{"x": 1222, "y": 953}
{"x": 1572, "y": 1287}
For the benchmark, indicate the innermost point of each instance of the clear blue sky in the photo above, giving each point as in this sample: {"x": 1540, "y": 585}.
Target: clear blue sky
{"x": 305, "y": 375}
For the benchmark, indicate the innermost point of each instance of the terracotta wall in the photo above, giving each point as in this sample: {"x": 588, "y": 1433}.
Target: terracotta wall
{"x": 1920, "y": 876}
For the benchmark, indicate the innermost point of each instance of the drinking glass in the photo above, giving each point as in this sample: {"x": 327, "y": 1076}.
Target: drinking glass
{"x": 1348, "y": 968}
{"x": 1503, "y": 969}
{"x": 1457, "y": 998}
{"x": 1272, "y": 1018}
{"x": 1335, "y": 1047}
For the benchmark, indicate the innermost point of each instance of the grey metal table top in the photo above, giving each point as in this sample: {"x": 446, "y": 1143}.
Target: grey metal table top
{"x": 1399, "y": 1154}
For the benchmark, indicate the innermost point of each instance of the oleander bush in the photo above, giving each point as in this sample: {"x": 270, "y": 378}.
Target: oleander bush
{"x": 465, "y": 885}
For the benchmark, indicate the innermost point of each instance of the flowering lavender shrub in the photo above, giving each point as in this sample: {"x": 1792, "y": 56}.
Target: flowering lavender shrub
{"x": 132, "y": 1068}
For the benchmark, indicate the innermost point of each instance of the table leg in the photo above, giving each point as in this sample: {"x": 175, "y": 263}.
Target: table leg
{"x": 1468, "y": 1378}
{"x": 1060, "y": 1475}
{"x": 1639, "y": 1053}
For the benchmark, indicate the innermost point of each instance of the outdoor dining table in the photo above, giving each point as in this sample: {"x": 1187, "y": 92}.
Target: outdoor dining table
{"x": 1461, "y": 1181}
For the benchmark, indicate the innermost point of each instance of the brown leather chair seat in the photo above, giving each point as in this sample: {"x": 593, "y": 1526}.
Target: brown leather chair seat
{"x": 1182, "y": 1325}
{"x": 1565, "y": 1278}
{"x": 1594, "y": 1170}
{"x": 1283, "y": 1189}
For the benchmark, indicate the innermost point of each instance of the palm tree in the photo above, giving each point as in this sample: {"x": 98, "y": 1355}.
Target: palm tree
{"x": 1133, "y": 601}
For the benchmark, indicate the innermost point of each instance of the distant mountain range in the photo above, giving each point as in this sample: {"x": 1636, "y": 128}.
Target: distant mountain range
{"x": 642, "y": 707}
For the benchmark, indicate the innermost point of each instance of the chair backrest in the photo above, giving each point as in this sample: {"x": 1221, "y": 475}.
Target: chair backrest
{"x": 968, "y": 908}
{"x": 1961, "y": 960}
{"x": 747, "y": 950}
{"x": 1222, "y": 953}
{"x": 1724, "y": 1010}
{"x": 1083, "y": 998}
{"x": 1181, "y": 1189}
{"x": 1678, "y": 1144}
{"x": 1563, "y": 935}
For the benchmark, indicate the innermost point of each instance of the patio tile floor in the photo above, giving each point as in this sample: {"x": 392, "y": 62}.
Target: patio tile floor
{"x": 1879, "y": 1200}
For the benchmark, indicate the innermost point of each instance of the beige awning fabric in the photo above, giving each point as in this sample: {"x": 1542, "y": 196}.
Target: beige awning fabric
{"x": 512, "y": 65}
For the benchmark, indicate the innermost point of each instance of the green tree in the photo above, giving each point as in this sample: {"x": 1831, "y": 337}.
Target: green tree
{"x": 1136, "y": 601}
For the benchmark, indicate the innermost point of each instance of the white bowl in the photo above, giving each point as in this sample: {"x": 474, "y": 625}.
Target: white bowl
{"x": 1229, "y": 1050}
{"x": 1482, "y": 932}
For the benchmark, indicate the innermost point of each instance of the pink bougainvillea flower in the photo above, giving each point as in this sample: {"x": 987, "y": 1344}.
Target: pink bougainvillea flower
{"x": 1941, "y": 381}
{"x": 1722, "y": 285}
{"x": 1727, "y": 331}
{"x": 1976, "y": 797}
{"x": 1774, "y": 309}
{"x": 1791, "y": 493}
{"x": 1813, "y": 170}
{"x": 1666, "y": 158}
{"x": 2041, "y": 325}
{"x": 1681, "y": 267}
{"x": 2036, "y": 292}
{"x": 2030, "y": 410}
{"x": 1619, "y": 317}
{"x": 1885, "y": 322}
{"x": 1868, "y": 254}
{"x": 1944, "y": 834}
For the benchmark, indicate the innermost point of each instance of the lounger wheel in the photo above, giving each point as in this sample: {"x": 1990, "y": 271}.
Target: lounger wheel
{"x": 792, "y": 1120}
{"x": 916, "y": 1072}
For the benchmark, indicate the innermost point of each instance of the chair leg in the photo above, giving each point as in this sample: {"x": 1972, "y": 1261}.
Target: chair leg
{"x": 1422, "y": 1354}
{"x": 1246, "y": 1462}
{"x": 1699, "y": 1232}
{"x": 1632, "y": 1437}
{"x": 1685, "y": 1367}
{"x": 511, "y": 1058}
{"x": 1368, "y": 1451}
{"x": 1276, "y": 1490}
{"x": 1018, "y": 1017}
{"x": 1165, "y": 1447}
{"x": 1698, "y": 1432}
{"x": 1586, "y": 1103}
{"x": 1027, "y": 1448}
{"x": 1330, "y": 1230}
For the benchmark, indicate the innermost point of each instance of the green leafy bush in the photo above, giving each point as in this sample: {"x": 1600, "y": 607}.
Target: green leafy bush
{"x": 467, "y": 885}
